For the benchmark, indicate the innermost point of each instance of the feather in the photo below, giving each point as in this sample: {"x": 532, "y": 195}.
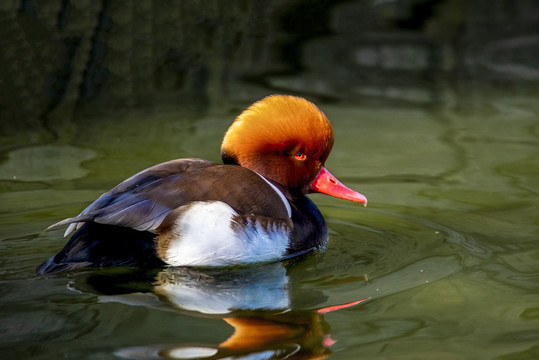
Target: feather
{"x": 141, "y": 202}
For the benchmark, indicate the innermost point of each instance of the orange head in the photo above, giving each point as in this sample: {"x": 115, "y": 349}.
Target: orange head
{"x": 286, "y": 139}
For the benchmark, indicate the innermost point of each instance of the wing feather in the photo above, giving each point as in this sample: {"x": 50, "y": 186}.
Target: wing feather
{"x": 142, "y": 201}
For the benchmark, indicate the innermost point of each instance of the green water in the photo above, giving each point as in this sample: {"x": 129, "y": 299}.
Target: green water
{"x": 446, "y": 253}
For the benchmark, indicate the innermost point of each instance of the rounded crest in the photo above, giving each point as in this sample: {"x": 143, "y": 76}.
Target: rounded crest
{"x": 268, "y": 136}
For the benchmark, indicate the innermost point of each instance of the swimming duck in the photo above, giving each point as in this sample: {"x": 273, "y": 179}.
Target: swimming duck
{"x": 193, "y": 212}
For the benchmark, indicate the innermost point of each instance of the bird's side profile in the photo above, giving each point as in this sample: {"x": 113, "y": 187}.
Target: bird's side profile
{"x": 193, "y": 212}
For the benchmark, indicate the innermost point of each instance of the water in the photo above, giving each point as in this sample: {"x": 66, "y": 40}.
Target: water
{"x": 434, "y": 105}
{"x": 445, "y": 256}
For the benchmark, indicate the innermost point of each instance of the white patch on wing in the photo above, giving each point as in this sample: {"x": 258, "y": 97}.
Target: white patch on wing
{"x": 71, "y": 227}
{"x": 204, "y": 236}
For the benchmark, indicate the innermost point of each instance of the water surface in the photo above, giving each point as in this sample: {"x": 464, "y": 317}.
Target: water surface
{"x": 445, "y": 256}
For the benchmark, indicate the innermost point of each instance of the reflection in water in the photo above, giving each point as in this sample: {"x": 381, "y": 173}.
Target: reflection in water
{"x": 217, "y": 291}
{"x": 268, "y": 320}
{"x": 255, "y": 301}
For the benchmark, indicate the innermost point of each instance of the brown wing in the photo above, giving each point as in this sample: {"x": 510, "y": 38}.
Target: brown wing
{"x": 145, "y": 199}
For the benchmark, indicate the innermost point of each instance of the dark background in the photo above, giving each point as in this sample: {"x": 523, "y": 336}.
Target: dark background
{"x": 69, "y": 61}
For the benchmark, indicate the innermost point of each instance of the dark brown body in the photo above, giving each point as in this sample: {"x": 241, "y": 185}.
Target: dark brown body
{"x": 127, "y": 225}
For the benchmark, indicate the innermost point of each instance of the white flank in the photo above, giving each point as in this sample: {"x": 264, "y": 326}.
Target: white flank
{"x": 204, "y": 236}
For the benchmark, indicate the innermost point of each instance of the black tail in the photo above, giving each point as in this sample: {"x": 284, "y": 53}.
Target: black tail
{"x": 104, "y": 245}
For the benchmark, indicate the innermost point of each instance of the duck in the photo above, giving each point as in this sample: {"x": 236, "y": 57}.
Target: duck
{"x": 192, "y": 212}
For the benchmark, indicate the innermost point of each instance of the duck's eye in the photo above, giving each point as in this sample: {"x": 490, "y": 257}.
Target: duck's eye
{"x": 300, "y": 156}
